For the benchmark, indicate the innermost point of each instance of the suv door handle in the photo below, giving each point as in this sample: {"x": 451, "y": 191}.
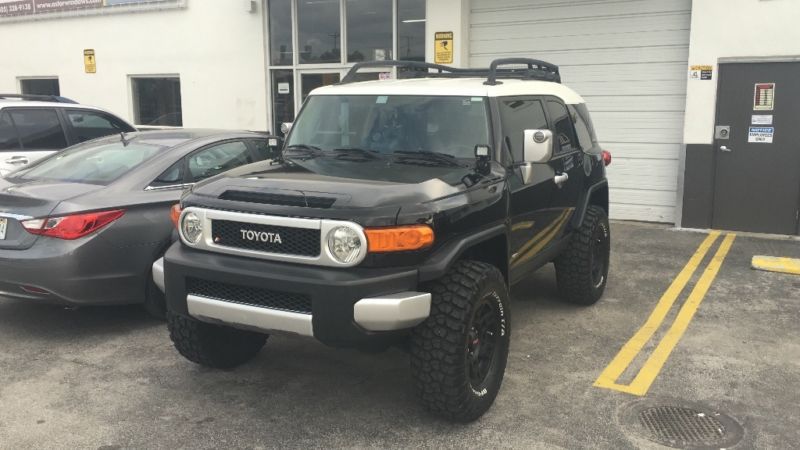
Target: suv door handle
{"x": 17, "y": 160}
{"x": 725, "y": 148}
{"x": 561, "y": 178}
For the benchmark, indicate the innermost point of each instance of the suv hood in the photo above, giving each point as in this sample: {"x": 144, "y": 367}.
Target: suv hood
{"x": 367, "y": 185}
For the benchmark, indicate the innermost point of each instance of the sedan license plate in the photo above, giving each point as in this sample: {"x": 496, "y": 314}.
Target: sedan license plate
{"x": 3, "y": 226}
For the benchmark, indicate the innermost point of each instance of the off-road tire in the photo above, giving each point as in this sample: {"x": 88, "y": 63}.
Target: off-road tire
{"x": 440, "y": 346}
{"x": 579, "y": 279}
{"x": 211, "y": 345}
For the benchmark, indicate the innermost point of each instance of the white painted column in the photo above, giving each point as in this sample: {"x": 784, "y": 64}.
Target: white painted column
{"x": 449, "y": 15}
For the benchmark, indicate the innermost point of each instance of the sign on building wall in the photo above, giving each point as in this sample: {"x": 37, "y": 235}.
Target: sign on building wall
{"x": 89, "y": 61}
{"x": 17, "y": 8}
{"x": 443, "y": 50}
{"x": 701, "y": 72}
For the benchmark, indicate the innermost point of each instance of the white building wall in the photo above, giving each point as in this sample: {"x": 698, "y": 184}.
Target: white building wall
{"x": 216, "y": 47}
{"x": 747, "y": 29}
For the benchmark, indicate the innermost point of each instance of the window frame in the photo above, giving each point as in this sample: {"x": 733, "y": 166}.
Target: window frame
{"x": 22, "y": 80}
{"x": 132, "y": 96}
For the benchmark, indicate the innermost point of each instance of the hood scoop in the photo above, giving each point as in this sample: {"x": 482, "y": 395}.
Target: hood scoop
{"x": 301, "y": 200}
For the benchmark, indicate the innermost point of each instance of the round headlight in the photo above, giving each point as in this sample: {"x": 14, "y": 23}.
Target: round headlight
{"x": 191, "y": 228}
{"x": 344, "y": 244}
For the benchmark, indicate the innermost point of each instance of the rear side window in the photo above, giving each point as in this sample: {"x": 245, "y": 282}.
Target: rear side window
{"x": 517, "y": 116}
{"x": 39, "y": 129}
{"x": 582, "y": 129}
{"x": 564, "y": 132}
{"x": 171, "y": 177}
{"x": 218, "y": 158}
{"x": 88, "y": 125}
{"x": 8, "y": 134}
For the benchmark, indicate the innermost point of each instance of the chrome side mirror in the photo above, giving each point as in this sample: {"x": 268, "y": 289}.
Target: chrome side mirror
{"x": 537, "y": 148}
{"x": 286, "y": 127}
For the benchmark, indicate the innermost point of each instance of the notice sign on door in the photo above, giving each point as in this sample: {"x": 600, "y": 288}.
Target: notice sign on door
{"x": 443, "y": 50}
{"x": 89, "y": 62}
{"x": 764, "y": 97}
{"x": 761, "y": 135}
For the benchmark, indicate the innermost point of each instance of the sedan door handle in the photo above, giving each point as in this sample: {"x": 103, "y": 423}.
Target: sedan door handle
{"x": 560, "y": 179}
{"x": 16, "y": 160}
{"x": 725, "y": 149}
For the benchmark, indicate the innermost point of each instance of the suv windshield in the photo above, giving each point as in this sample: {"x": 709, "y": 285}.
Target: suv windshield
{"x": 394, "y": 125}
{"x": 90, "y": 163}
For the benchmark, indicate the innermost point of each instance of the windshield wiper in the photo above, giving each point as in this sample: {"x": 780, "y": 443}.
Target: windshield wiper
{"x": 302, "y": 151}
{"x": 437, "y": 158}
{"x": 358, "y": 152}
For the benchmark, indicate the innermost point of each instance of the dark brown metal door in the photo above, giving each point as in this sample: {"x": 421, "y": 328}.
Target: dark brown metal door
{"x": 757, "y": 179}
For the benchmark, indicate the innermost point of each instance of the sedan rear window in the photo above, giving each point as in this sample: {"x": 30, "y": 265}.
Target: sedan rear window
{"x": 90, "y": 163}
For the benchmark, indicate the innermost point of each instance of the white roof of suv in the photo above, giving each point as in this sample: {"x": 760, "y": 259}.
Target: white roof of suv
{"x": 468, "y": 87}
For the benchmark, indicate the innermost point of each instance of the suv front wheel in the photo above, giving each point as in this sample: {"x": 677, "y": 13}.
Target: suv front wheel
{"x": 212, "y": 345}
{"x": 458, "y": 355}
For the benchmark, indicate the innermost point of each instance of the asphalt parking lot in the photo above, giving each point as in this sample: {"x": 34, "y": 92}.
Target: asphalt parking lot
{"x": 109, "y": 377}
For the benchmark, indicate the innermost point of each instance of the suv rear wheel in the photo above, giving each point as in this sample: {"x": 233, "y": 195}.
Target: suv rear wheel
{"x": 458, "y": 355}
{"x": 211, "y": 345}
{"x": 582, "y": 269}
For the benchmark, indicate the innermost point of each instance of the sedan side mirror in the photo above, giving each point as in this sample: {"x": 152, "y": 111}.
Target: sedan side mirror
{"x": 537, "y": 148}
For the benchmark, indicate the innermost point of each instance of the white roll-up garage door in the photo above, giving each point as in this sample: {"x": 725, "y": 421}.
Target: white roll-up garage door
{"x": 628, "y": 59}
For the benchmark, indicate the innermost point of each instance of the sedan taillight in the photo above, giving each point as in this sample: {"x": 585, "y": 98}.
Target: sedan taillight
{"x": 73, "y": 226}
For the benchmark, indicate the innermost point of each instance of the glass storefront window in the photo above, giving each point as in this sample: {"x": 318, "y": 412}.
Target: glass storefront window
{"x": 369, "y": 30}
{"x": 319, "y": 31}
{"x": 280, "y": 32}
{"x": 411, "y": 30}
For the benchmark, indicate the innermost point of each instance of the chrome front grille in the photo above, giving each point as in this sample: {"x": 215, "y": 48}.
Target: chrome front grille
{"x": 275, "y": 238}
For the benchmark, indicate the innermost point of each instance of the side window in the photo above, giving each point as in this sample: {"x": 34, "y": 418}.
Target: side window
{"x": 582, "y": 129}
{"x": 39, "y": 129}
{"x": 171, "y": 177}
{"x": 218, "y": 158}
{"x": 91, "y": 124}
{"x": 8, "y": 134}
{"x": 518, "y": 115}
{"x": 263, "y": 149}
{"x": 563, "y": 131}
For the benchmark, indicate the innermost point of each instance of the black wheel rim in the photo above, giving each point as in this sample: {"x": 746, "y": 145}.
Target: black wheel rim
{"x": 482, "y": 342}
{"x": 599, "y": 254}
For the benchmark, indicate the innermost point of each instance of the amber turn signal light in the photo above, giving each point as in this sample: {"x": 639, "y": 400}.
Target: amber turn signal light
{"x": 175, "y": 214}
{"x": 399, "y": 239}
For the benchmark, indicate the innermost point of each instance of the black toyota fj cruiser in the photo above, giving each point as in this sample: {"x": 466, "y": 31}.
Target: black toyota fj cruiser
{"x": 401, "y": 212}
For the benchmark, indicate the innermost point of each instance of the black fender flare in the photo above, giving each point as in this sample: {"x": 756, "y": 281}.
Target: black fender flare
{"x": 440, "y": 261}
{"x": 583, "y": 204}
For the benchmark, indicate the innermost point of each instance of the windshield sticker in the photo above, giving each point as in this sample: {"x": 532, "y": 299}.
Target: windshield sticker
{"x": 466, "y": 102}
{"x": 476, "y": 99}
{"x": 382, "y": 99}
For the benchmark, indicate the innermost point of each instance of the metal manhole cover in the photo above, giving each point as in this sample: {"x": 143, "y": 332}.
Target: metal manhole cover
{"x": 682, "y": 425}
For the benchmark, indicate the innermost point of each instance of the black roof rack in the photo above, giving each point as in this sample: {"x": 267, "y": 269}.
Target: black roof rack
{"x": 535, "y": 70}
{"x": 38, "y": 98}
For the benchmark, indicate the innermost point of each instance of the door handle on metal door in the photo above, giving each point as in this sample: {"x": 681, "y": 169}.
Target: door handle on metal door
{"x": 17, "y": 160}
{"x": 561, "y": 178}
{"x": 725, "y": 148}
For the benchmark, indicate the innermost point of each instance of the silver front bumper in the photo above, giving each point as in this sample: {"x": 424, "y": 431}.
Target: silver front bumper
{"x": 389, "y": 312}
{"x": 158, "y": 273}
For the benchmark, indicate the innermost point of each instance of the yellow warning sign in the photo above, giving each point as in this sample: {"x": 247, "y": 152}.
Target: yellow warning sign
{"x": 89, "y": 62}
{"x": 443, "y": 50}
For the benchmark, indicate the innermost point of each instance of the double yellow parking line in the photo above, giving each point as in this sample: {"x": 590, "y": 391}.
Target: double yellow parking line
{"x": 648, "y": 372}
